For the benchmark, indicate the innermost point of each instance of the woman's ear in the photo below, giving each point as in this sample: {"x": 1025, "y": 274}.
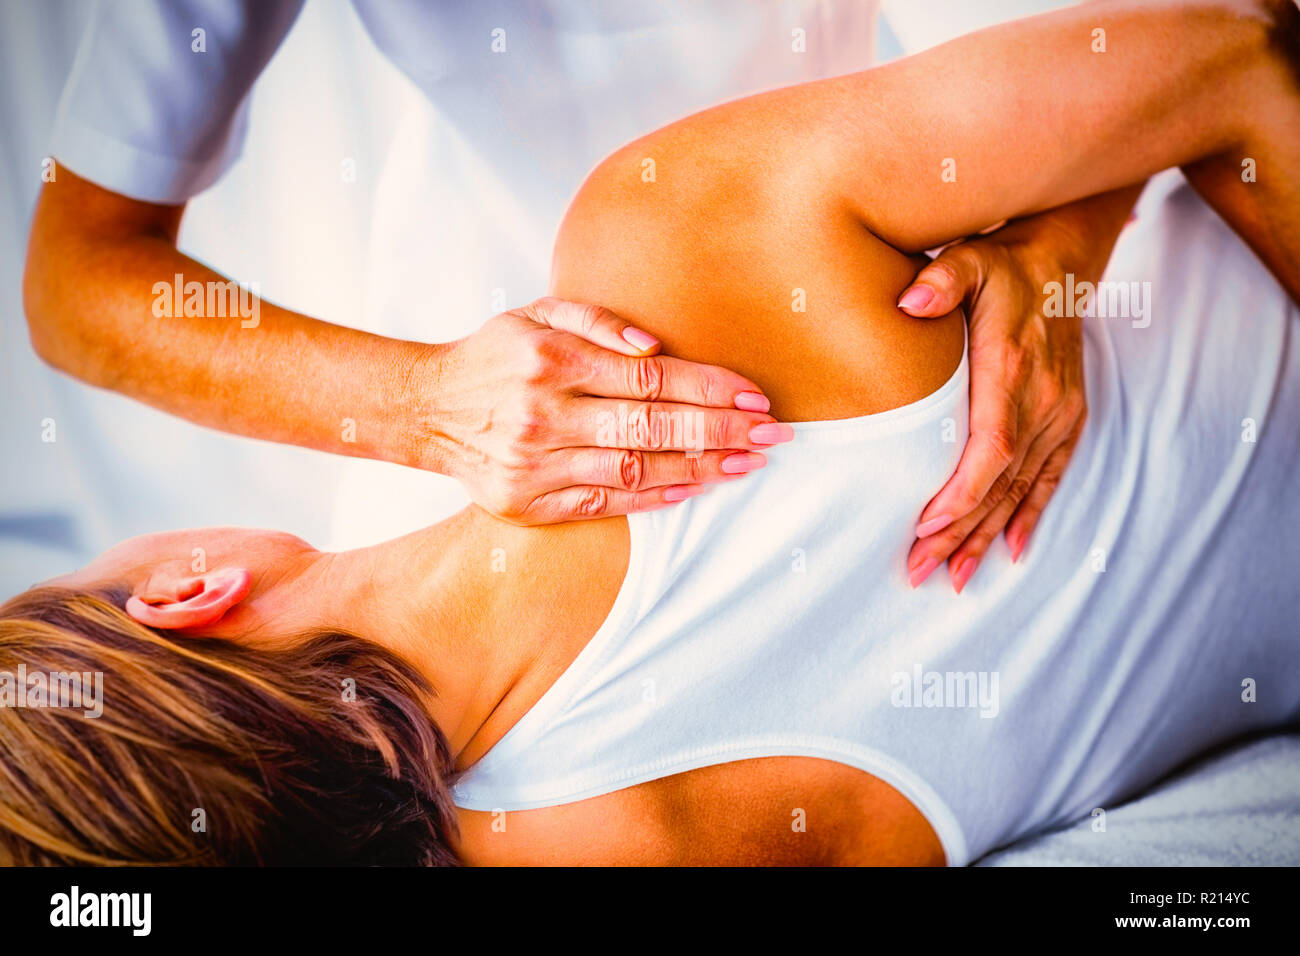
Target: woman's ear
{"x": 194, "y": 602}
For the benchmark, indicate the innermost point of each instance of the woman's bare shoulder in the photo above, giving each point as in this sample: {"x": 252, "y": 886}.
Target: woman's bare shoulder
{"x": 720, "y": 235}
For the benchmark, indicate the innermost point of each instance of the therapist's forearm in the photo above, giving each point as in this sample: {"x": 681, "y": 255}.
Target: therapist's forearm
{"x": 516, "y": 411}
{"x": 288, "y": 378}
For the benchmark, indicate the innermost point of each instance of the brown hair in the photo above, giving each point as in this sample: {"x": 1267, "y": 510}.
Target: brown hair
{"x": 285, "y": 770}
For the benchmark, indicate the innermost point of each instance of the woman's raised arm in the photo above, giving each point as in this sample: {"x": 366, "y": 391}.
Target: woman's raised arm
{"x": 1030, "y": 115}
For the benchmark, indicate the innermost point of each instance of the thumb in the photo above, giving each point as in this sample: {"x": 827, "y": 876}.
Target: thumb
{"x": 596, "y": 324}
{"x": 942, "y": 285}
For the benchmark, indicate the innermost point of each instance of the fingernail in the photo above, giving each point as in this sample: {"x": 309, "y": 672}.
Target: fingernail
{"x": 771, "y": 433}
{"x": 963, "y": 573}
{"x": 916, "y": 298}
{"x": 1016, "y": 542}
{"x": 922, "y": 571}
{"x": 752, "y": 402}
{"x": 682, "y": 492}
{"x": 638, "y": 339}
{"x": 937, "y": 523}
{"x": 742, "y": 462}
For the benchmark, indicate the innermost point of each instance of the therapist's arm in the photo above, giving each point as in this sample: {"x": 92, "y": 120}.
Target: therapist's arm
{"x": 519, "y": 412}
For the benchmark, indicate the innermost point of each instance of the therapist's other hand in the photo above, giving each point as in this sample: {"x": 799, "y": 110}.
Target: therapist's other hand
{"x": 1027, "y": 402}
{"x": 558, "y": 411}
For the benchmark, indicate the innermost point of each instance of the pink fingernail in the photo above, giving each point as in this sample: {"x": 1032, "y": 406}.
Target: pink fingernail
{"x": 752, "y": 402}
{"x": 638, "y": 339}
{"x": 1016, "y": 542}
{"x": 916, "y": 298}
{"x": 922, "y": 571}
{"x": 964, "y": 570}
{"x": 682, "y": 492}
{"x": 771, "y": 433}
{"x": 938, "y": 523}
{"x": 742, "y": 462}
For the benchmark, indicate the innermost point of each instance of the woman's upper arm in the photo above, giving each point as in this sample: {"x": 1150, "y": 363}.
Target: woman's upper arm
{"x": 1039, "y": 112}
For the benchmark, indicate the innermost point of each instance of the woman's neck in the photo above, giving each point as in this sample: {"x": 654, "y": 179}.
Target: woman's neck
{"x": 488, "y": 612}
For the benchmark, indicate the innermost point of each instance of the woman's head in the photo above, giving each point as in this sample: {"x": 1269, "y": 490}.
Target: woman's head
{"x": 318, "y": 750}
{"x": 251, "y": 585}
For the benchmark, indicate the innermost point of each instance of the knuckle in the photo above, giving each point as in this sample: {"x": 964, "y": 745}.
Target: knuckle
{"x": 943, "y": 271}
{"x": 1049, "y": 478}
{"x": 552, "y": 348}
{"x": 512, "y": 463}
{"x": 528, "y": 312}
{"x": 545, "y": 305}
{"x": 714, "y": 392}
{"x": 950, "y": 539}
{"x": 630, "y": 469}
{"x": 592, "y": 503}
{"x": 646, "y": 378}
{"x": 1052, "y": 394}
{"x": 717, "y": 431}
{"x": 528, "y": 426}
{"x": 1001, "y": 486}
{"x": 1015, "y": 364}
{"x": 589, "y": 317}
{"x": 1075, "y": 407}
{"x": 639, "y": 430}
{"x": 535, "y": 360}
{"x": 1017, "y": 489}
{"x": 977, "y": 543}
{"x": 967, "y": 500}
{"x": 693, "y": 470}
{"x": 1002, "y": 441}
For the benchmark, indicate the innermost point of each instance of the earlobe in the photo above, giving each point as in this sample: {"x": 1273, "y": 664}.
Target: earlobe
{"x": 206, "y": 600}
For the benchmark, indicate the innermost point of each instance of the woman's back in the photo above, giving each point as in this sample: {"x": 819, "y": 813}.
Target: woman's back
{"x": 780, "y": 283}
{"x": 773, "y": 617}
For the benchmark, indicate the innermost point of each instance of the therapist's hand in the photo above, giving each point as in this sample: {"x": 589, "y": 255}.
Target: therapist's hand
{"x": 559, "y": 411}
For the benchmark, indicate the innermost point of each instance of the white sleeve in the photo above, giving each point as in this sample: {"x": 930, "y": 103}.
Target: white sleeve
{"x": 155, "y": 105}
{"x": 921, "y": 24}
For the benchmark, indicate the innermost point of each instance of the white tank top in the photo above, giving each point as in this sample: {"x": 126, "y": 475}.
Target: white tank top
{"x": 1153, "y": 615}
